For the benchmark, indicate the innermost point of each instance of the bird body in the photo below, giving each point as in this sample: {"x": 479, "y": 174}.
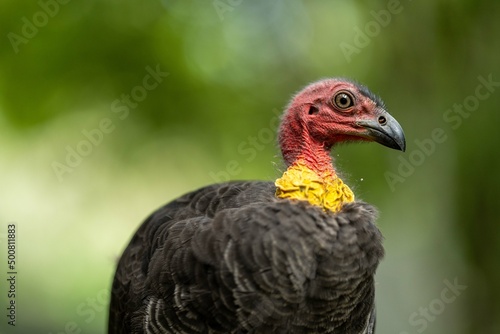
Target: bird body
{"x": 294, "y": 256}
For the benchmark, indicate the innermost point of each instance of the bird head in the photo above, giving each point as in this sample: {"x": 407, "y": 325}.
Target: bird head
{"x": 336, "y": 110}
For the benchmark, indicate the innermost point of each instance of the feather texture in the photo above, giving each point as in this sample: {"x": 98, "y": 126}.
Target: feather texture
{"x": 232, "y": 258}
{"x": 295, "y": 256}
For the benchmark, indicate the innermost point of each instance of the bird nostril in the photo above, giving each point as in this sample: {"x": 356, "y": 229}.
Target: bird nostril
{"x": 382, "y": 120}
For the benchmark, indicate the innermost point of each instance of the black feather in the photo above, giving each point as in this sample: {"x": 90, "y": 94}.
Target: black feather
{"x": 232, "y": 258}
{"x": 367, "y": 93}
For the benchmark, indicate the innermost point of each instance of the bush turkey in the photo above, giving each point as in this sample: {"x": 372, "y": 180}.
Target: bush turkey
{"x": 297, "y": 255}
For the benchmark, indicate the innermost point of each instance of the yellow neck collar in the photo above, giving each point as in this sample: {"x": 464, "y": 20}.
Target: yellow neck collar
{"x": 327, "y": 191}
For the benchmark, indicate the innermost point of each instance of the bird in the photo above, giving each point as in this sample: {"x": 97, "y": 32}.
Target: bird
{"x": 297, "y": 255}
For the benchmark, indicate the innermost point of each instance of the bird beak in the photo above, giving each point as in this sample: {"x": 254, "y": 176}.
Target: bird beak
{"x": 384, "y": 129}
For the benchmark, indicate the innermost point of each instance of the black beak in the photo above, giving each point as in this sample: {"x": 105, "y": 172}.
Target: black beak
{"x": 385, "y": 130}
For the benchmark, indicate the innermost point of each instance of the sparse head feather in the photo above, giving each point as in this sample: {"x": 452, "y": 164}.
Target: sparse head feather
{"x": 366, "y": 92}
{"x": 319, "y": 86}
{"x": 313, "y": 117}
{"x": 324, "y": 113}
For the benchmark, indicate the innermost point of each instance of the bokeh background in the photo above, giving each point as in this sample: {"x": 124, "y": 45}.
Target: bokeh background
{"x": 91, "y": 142}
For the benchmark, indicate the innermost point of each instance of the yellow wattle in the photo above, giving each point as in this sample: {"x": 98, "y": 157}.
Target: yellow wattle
{"x": 327, "y": 191}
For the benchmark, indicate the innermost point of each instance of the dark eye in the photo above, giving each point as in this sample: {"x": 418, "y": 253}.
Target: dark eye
{"x": 343, "y": 100}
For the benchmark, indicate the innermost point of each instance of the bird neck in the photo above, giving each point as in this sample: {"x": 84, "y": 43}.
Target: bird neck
{"x": 312, "y": 178}
{"x": 310, "y": 175}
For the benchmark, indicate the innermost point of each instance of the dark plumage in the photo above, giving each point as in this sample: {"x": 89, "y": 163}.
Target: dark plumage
{"x": 234, "y": 258}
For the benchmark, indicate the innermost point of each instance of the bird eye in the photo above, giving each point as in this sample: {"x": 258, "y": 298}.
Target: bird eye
{"x": 343, "y": 100}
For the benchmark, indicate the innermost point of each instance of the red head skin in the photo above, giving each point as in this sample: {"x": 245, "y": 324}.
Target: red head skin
{"x": 313, "y": 122}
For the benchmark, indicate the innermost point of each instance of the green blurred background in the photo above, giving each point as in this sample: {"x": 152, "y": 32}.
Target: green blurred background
{"x": 70, "y": 71}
